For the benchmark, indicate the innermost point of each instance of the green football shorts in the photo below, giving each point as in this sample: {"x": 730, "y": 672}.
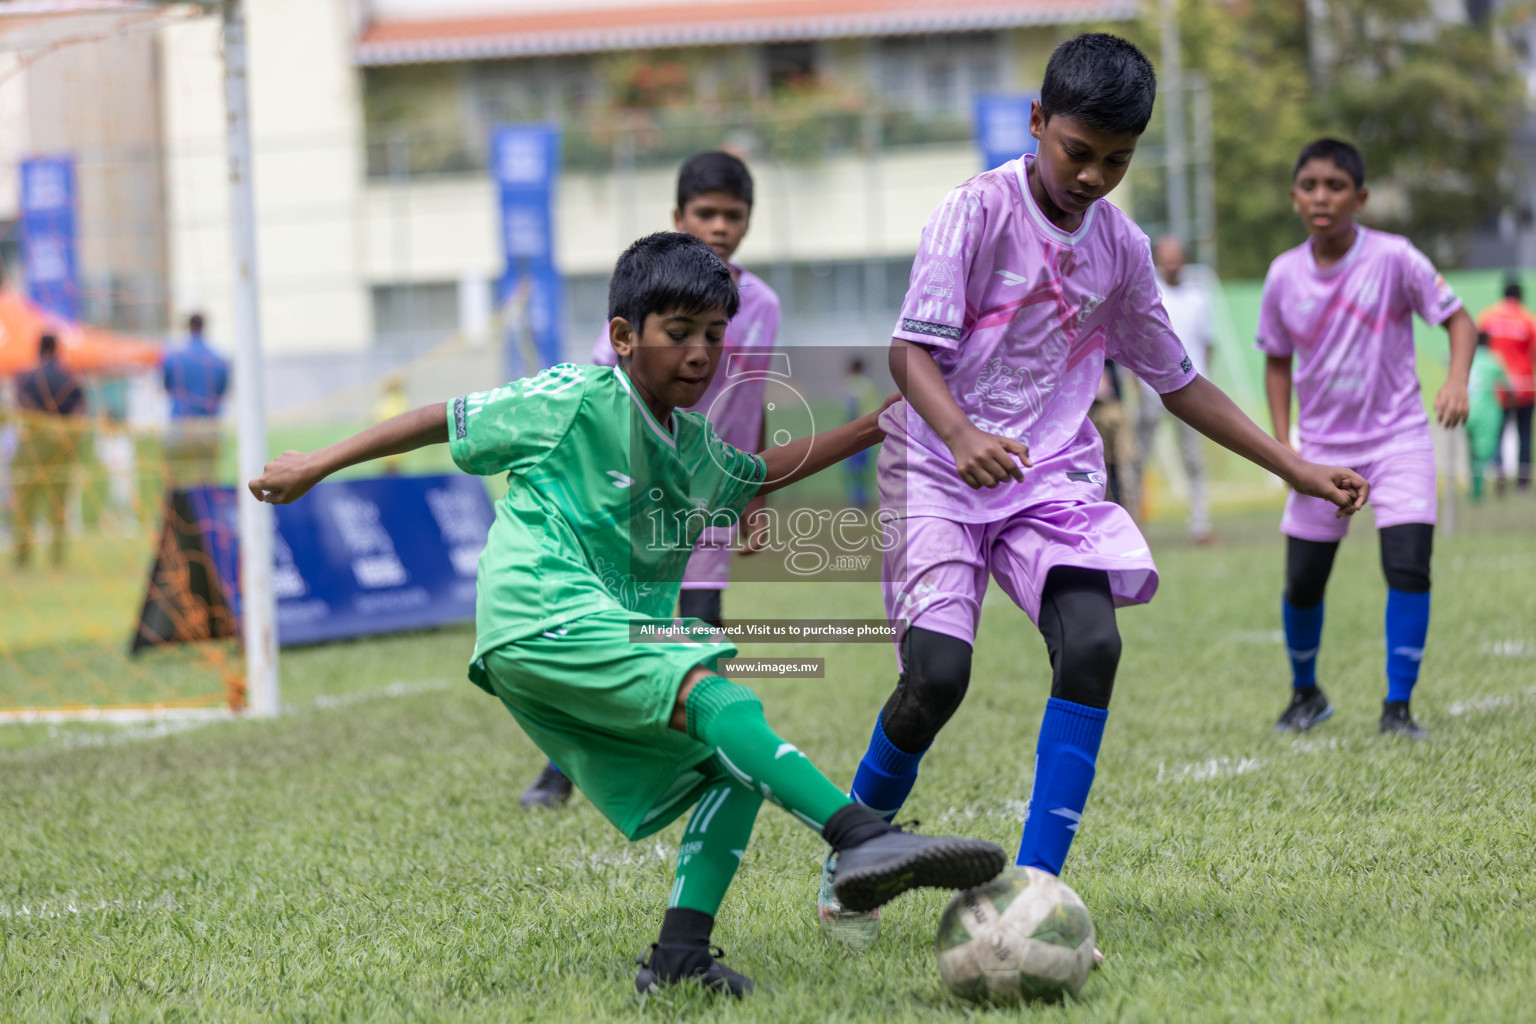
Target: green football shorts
{"x": 598, "y": 704}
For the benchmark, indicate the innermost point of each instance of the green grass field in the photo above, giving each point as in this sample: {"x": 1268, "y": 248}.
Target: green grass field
{"x": 363, "y": 857}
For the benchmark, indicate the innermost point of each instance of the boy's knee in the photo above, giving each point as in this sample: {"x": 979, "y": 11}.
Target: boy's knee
{"x": 703, "y": 695}
{"x": 936, "y": 671}
{"x": 1405, "y": 556}
{"x": 1308, "y": 564}
{"x": 1089, "y": 659}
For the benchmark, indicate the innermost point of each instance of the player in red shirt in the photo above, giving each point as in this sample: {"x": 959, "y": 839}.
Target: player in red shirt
{"x": 1511, "y": 334}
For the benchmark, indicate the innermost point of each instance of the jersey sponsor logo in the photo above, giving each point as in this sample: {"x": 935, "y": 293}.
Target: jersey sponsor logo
{"x": 620, "y": 480}
{"x": 941, "y": 279}
{"x": 1010, "y": 278}
{"x": 926, "y": 327}
{"x": 1089, "y": 478}
{"x": 1186, "y": 365}
{"x": 1009, "y": 388}
{"x": 460, "y": 419}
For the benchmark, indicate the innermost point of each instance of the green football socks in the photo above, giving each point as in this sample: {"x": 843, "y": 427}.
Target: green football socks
{"x": 729, "y": 718}
{"x": 712, "y": 845}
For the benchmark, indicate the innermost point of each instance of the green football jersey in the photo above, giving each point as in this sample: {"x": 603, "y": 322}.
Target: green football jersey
{"x": 603, "y": 502}
{"x": 1484, "y": 382}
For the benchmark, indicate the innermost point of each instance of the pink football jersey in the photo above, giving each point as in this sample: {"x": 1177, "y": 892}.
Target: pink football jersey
{"x": 1350, "y": 331}
{"x": 749, "y": 340}
{"x": 1020, "y": 316}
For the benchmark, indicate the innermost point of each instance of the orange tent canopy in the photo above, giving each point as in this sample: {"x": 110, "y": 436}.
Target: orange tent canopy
{"x": 83, "y": 349}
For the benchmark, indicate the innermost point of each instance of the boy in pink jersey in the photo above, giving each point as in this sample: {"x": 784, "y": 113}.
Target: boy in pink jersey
{"x": 714, "y": 205}
{"x": 1024, "y": 282}
{"x": 1340, "y": 307}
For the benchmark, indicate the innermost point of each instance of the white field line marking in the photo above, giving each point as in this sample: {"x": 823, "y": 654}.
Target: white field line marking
{"x": 1510, "y": 648}
{"x": 396, "y": 689}
{"x": 1490, "y": 563}
{"x": 1204, "y": 771}
{"x": 631, "y": 855}
{"x": 65, "y": 739}
{"x": 1478, "y": 705}
{"x": 44, "y": 910}
{"x": 1257, "y": 636}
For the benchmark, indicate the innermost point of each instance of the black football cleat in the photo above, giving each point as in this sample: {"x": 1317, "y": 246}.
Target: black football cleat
{"x": 1307, "y": 708}
{"x": 1395, "y": 719}
{"x": 878, "y": 870}
{"x": 550, "y": 789}
{"x": 671, "y": 964}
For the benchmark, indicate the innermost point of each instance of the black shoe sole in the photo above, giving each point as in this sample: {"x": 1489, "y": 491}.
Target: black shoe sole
{"x": 949, "y": 864}
{"x": 1327, "y": 713}
{"x": 543, "y": 799}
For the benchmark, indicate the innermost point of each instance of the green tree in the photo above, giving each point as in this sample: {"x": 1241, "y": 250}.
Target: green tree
{"x": 1430, "y": 103}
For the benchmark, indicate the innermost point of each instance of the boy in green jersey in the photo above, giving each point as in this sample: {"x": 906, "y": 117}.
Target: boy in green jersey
{"x": 1485, "y": 418}
{"x": 608, "y": 486}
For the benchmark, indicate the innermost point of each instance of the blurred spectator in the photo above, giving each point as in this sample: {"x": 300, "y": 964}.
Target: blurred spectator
{"x": 115, "y": 450}
{"x": 1512, "y": 336}
{"x": 196, "y": 378}
{"x": 1485, "y": 416}
{"x": 1188, "y": 303}
{"x": 863, "y": 398}
{"x": 48, "y": 397}
{"x": 1107, "y": 414}
{"x": 392, "y": 402}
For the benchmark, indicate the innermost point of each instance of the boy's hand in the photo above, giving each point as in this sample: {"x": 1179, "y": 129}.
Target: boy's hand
{"x": 286, "y": 478}
{"x": 1452, "y": 405}
{"x": 756, "y": 532}
{"x": 1344, "y": 487}
{"x": 986, "y": 460}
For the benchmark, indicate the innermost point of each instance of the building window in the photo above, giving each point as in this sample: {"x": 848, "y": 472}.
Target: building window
{"x": 939, "y": 74}
{"x": 411, "y": 318}
{"x": 790, "y": 65}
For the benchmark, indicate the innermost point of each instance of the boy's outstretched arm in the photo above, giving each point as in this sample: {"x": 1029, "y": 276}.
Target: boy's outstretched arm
{"x": 810, "y": 455}
{"x": 1206, "y": 407}
{"x": 1451, "y": 402}
{"x": 1277, "y": 390}
{"x": 982, "y": 459}
{"x": 289, "y": 476}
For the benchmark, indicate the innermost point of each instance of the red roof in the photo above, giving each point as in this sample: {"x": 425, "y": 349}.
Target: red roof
{"x": 588, "y": 29}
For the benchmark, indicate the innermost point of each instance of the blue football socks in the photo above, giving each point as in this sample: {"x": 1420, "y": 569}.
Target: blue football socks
{"x": 1407, "y": 626}
{"x": 885, "y": 775}
{"x": 1065, "y": 756}
{"x": 1303, "y": 636}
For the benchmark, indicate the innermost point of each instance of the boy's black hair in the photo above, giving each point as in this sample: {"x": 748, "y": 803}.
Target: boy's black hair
{"x": 47, "y": 346}
{"x": 1343, "y": 156}
{"x": 715, "y": 171}
{"x": 1102, "y": 81}
{"x": 1512, "y": 289}
{"x": 670, "y": 272}
{"x": 195, "y": 323}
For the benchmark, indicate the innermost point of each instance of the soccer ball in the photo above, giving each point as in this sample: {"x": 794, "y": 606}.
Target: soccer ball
{"x": 1023, "y": 935}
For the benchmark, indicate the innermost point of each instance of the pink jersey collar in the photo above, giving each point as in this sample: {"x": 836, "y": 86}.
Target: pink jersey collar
{"x": 1021, "y": 172}
{"x": 1361, "y": 231}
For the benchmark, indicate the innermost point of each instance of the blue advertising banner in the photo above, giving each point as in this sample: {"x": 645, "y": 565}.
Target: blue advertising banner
{"x": 48, "y": 249}
{"x": 354, "y": 558}
{"x": 525, "y": 162}
{"x": 1002, "y": 128}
